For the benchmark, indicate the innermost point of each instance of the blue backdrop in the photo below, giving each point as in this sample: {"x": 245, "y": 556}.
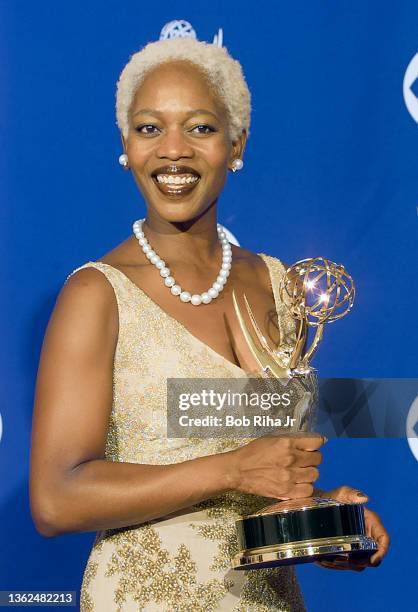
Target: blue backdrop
{"x": 330, "y": 169}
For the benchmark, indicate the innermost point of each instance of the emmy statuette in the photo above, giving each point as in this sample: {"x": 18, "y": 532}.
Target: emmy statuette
{"x": 316, "y": 291}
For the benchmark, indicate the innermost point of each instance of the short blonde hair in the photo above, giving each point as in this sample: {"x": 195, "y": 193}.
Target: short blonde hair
{"x": 224, "y": 73}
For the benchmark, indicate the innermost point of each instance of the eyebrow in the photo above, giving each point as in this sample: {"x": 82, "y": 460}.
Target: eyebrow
{"x": 196, "y": 111}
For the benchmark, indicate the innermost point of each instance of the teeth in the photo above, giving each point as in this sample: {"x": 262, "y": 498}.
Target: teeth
{"x": 176, "y": 180}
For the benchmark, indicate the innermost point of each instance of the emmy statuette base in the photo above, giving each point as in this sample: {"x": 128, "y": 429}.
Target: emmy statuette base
{"x": 301, "y": 531}
{"x": 305, "y": 551}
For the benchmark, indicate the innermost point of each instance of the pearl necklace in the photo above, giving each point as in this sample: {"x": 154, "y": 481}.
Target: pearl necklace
{"x": 197, "y": 298}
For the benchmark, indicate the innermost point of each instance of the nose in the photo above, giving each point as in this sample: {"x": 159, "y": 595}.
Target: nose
{"x": 173, "y": 145}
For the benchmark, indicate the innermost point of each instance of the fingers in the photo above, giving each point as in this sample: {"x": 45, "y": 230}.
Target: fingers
{"x": 383, "y": 542}
{"x": 279, "y": 466}
{"x": 374, "y": 529}
{"x": 346, "y": 562}
{"x": 348, "y": 495}
{"x": 329, "y": 565}
{"x": 308, "y": 459}
{"x": 306, "y": 474}
{"x": 383, "y": 547}
{"x": 299, "y": 491}
{"x": 337, "y": 564}
{"x": 350, "y": 563}
{"x": 311, "y": 442}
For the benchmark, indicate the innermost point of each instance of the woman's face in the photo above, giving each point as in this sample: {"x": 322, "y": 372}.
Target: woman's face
{"x": 179, "y": 147}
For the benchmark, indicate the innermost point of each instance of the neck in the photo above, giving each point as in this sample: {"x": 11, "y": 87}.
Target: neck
{"x": 195, "y": 242}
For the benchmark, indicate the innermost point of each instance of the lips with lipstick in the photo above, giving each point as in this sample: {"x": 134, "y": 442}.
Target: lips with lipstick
{"x": 174, "y": 180}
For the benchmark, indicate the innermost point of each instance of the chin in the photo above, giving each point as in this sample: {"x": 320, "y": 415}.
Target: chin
{"x": 178, "y": 211}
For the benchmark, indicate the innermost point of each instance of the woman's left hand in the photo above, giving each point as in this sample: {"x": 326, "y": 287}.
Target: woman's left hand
{"x": 374, "y": 529}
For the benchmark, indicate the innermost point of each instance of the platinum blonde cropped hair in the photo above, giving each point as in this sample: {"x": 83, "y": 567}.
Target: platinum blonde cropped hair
{"x": 223, "y": 72}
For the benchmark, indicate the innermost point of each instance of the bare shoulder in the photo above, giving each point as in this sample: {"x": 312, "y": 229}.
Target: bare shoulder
{"x": 87, "y": 284}
{"x": 86, "y": 304}
{"x": 124, "y": 254}
{"x": 88, "y": 296}
{"x": 91, "y": 282}
{"x": 253, "y": 261}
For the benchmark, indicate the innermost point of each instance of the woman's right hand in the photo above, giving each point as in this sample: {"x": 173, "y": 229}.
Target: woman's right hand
{"x": 281, "y": 467}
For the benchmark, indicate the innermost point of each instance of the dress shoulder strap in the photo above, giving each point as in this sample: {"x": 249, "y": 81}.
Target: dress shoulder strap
{"x": 287, "y": 324}
{"x": 107, "y": 270}
{"x": 124, "y": 290}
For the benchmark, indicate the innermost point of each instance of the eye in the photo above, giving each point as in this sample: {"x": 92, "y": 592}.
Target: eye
{"x": 207, "y": 129}
{"x": 140, "y": 129}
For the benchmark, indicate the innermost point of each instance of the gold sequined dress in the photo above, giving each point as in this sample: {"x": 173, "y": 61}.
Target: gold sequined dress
{"x": 179, "y": 563}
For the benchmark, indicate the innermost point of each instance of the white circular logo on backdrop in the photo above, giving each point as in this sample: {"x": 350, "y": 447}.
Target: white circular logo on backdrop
{"x": 177, "y": 29}
{"x": 180, "y": 28}
{"x": 412, "y": 428}
{"x": 411, "y": 76}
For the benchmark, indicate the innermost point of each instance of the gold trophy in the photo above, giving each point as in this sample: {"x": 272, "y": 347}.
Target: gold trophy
{"x": 316, "y": 291}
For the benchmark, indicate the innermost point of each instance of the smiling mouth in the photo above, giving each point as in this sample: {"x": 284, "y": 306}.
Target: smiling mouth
{"x": 175, "y": 184}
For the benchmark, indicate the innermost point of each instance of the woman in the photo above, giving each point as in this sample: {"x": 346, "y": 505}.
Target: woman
{"x": 148, "y": 310}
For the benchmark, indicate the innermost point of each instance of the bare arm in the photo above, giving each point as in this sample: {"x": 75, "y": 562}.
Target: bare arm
{"x": 73, "y": 488}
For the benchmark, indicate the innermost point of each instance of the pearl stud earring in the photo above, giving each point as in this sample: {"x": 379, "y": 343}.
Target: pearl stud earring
{"x": 237, "y": 164}
{"x": 123, "y": 160}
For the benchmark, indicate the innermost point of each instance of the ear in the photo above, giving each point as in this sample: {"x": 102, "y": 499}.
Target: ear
{"x": 238, "y": 147}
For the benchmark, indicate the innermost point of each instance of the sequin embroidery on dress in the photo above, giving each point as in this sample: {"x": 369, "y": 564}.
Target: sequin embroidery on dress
{"x": 181, "y": 562}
